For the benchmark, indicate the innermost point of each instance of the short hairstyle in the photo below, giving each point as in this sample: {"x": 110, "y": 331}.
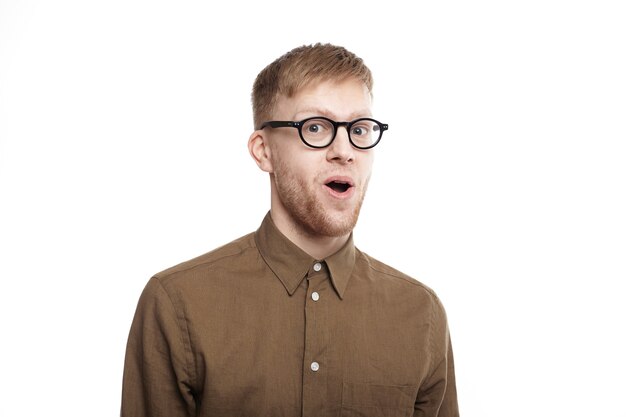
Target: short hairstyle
{"x": 299, "y": 68}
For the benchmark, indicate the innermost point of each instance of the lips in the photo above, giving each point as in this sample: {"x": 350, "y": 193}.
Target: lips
{"x": 339, "y": 186}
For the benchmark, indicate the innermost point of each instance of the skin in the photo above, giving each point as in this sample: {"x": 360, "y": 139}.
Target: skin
{"x": 304, "y": 209}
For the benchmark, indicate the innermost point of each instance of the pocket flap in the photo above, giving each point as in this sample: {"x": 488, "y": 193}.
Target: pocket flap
{"x": 382, "y": 396}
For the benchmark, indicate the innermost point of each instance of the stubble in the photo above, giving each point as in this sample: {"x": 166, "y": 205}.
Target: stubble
{"x": 309, "y": 214}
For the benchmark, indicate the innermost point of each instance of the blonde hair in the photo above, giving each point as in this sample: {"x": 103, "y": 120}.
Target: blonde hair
{"x": 300, "y": 67}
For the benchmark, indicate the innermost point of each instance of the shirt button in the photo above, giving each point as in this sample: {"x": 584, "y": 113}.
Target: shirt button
{"x": 317, "y": 267}
{"x": 315, "y": 296}
{"x": 315, "y": 366}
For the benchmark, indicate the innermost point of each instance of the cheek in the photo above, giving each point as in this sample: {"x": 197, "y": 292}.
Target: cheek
{"x": 298, "y": 165}
{"x": 289, "y": 170}
{"x": 365, "y": 168}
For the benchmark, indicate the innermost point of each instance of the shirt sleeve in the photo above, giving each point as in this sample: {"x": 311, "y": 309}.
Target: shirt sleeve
{"x": 157, "y": 379}
{"x": 437, "y": 394}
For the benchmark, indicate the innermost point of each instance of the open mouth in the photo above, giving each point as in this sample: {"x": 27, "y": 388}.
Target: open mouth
{"x": 339, "y": 186}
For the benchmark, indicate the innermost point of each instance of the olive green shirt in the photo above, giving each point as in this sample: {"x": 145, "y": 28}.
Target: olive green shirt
{"x": 259, "y": 328}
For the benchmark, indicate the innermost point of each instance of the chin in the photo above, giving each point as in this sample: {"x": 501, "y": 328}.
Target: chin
{"x": 313, "y": 214}
{"x": 332, "y": 225}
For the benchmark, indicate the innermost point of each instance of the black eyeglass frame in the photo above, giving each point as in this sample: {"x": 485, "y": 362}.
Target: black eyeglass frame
{"x": 348, "y": 125}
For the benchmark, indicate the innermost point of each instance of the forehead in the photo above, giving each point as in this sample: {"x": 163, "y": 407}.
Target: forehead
{"x": 341, "y": 100}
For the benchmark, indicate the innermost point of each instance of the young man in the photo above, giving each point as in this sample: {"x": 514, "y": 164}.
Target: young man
{"x": 293, "y": 320}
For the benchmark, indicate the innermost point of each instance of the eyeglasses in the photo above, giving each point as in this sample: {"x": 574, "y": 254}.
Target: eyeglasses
{"x": 319, "y": 132}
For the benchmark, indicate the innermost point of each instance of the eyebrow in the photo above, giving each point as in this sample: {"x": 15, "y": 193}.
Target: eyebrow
{"x": 321, "y": 112}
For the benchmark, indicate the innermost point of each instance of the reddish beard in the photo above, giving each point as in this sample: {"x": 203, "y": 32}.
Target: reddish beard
{"x": 303, "y": 207}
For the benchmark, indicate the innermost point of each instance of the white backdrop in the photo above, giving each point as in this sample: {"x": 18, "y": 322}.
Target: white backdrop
{"x": 501, "y": 182}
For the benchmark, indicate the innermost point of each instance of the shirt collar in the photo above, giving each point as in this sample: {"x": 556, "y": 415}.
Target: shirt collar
{"x": 291, "y": 264}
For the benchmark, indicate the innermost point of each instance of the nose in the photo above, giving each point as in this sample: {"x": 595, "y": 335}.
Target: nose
{"x": 341, "y": 150}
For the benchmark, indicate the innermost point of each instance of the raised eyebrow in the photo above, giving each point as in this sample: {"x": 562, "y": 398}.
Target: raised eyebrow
{"x": 312, "y": 112}
{"x": 360, "y": 115}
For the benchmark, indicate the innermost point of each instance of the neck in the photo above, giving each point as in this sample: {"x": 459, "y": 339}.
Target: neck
{"x": 319, "y": 247}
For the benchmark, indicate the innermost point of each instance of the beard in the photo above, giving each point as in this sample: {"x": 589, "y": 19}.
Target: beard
{"x": 308, "y": 214}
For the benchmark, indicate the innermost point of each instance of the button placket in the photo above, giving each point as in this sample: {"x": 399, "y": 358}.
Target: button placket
{"x": 316, "y": 341}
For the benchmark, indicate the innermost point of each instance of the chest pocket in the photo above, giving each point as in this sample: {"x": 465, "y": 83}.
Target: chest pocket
{"x": 367, "y": 400}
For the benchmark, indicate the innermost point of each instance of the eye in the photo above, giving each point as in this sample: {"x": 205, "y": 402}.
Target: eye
{"x": 317, "y": 127}
{"x": 313, "y": 128}
{"x": 360, "y": 130}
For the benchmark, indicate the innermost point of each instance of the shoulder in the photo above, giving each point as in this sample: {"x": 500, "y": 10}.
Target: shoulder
{"x": 389, "y": 277}
{"x": 230, "y": 253}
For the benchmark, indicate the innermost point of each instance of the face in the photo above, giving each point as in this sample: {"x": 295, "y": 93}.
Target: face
{"x": 319, "y": 191}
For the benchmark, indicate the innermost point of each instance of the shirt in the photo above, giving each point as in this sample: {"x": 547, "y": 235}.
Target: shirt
{"x": 259, "y": 328}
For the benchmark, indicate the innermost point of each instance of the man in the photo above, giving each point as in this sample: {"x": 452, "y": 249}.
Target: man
{"x": 293, "y": 320}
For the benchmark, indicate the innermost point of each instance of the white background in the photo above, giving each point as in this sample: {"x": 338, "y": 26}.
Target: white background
{"x": 501, "y": 182}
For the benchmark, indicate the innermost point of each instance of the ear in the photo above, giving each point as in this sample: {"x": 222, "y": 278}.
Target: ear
{"x": 259, "y": 149}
